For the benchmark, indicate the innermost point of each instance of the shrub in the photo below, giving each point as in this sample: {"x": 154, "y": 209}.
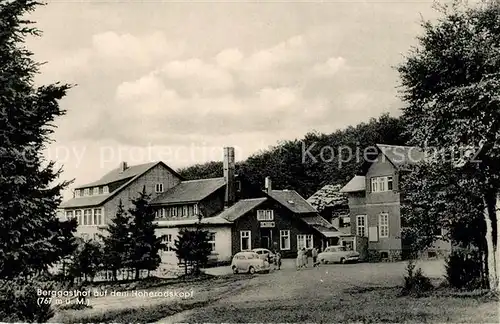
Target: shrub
{"x": 19, "y": 301}
{"x": 415, "y": 282}
{"x": 464, "y": 270}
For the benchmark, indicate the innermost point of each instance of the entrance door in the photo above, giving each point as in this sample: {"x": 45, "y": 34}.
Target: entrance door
{"x": 266, "y": 238}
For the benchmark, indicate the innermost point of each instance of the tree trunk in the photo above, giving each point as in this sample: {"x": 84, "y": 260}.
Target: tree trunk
{"x": 492, "y": 274}
{"x": 137, "y": 274}
{"x": 497, "y": 252}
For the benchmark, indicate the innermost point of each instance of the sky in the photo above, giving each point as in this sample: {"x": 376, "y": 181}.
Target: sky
{"x": 178, "y": 81}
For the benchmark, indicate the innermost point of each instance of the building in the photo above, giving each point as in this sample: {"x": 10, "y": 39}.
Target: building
{"x": 375, "y": 203}
{"x": 95, "y": 204}
{"x": 237, "y": 214}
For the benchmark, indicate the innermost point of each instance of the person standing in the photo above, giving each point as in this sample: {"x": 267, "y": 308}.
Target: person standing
{"x": 314, "y": 253}
{"x": 277, "y": 260}
{"x": 300, "y": 258}
{"x": 305, "y": 257}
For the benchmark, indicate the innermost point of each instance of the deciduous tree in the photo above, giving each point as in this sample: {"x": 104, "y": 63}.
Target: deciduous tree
{"x": 450, "y": 83}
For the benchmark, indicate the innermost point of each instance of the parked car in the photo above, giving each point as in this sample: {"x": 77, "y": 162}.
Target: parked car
{"x": 338, "y": 253}
{"x": 265, "y": 254}
{"x": 250, "y": 262}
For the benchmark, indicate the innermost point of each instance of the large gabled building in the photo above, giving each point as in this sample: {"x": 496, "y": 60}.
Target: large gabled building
{"x": 95, "y": 204}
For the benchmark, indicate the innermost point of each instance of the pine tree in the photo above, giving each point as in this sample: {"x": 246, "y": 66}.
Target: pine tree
{"x": 192, "y": 247}
{"x": 145, "y": 245}
{"x": 117, "y": 242}
{"x": 32, "y": 238}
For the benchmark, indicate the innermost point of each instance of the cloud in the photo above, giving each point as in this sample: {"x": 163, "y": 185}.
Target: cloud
{"x": 229, "y": 58}
{"x": 330, "y": 67}
{"x": 138, "y": 50}
{"x": 286, "y": 89}
{"x": 197, "y": 76}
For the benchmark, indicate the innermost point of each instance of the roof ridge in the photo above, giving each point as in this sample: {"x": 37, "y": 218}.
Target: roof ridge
{"x": 252, "y": 199}
{"x": 404, "y": 146}
{"x": 206, "y": 179}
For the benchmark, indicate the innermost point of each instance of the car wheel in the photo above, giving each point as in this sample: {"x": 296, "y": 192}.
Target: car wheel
{"x": 323, "y": 261}
{"x": 251, "y": 270}
{"x": 235, "y": 270}
{"x": 342, "y": 260}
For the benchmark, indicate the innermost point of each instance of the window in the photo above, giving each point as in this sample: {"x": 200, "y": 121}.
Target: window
{"x": 87, "y": 217}
{"x": 381, "y": 184}
{"x": 245, "y": 243}
{"x": 361, "y": 225}
{"x": 78, "y": 193}
{"x": 345, "y": 221}
{"x": 169, "y": 243}
{"x": 159, "y": 187}
{"x": 97, "y": 216}
{"x": 105, "y": 190}
{"x": 195, "y": 209}
{"x": 304, "y": 241}
{"x": 184, "y": 211}
{"x": 78, "y": 216}
{"x": 211, "y": 241}
{"x": 265, "y": 215}
{"x": 383, "y": 225}
{"x": 173, "y": 211}
{"x": 160, "y": 213}
{"x": 101, "y": 190}
{"x": 284, "y": 240}
{"x": 238, "y": 186}
{"x": 69, "y": 214}
{"x": 86, "y": 192}
{"x": 96, "y": 191}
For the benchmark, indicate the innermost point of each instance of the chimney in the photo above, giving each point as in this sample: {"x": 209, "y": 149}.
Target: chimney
{"x": 229, "y": 173}
{"x": 123, "y": 166}
{"x": 268, "y": 184}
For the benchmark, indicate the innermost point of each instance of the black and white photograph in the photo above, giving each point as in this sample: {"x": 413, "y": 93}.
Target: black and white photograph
{"x": 243, "y": 161}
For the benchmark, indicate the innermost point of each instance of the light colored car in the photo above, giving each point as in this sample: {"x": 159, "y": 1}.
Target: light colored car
{"x": 265, "y": 254}
{"x": 338, "y": 253}
{"x": 249, "y": 262}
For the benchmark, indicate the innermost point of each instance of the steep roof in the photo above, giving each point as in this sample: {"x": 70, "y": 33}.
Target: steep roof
{"x": 328, "y": 196}
{"x": 240, "y": 208}
{"x": 137, "y": 171}
{"x": 117, "y": 175}
{"x": 292, "y": 200}
{"x": 401, "y": 156}
{"x": 356, "y": 184}
{"x": 189, "y": 191}
{"x": 317, "y": 220}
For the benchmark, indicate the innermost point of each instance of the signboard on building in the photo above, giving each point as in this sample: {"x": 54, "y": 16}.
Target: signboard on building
{"x": 266, "y": 224}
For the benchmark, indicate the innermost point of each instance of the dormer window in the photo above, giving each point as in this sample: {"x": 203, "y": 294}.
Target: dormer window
{"x": 96, "y": 191}
{"x": 105, "y": 190}
{"x": 159, "y": 187}
{"x": 101, "y": 190}
{"x": 86, "y": 192}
